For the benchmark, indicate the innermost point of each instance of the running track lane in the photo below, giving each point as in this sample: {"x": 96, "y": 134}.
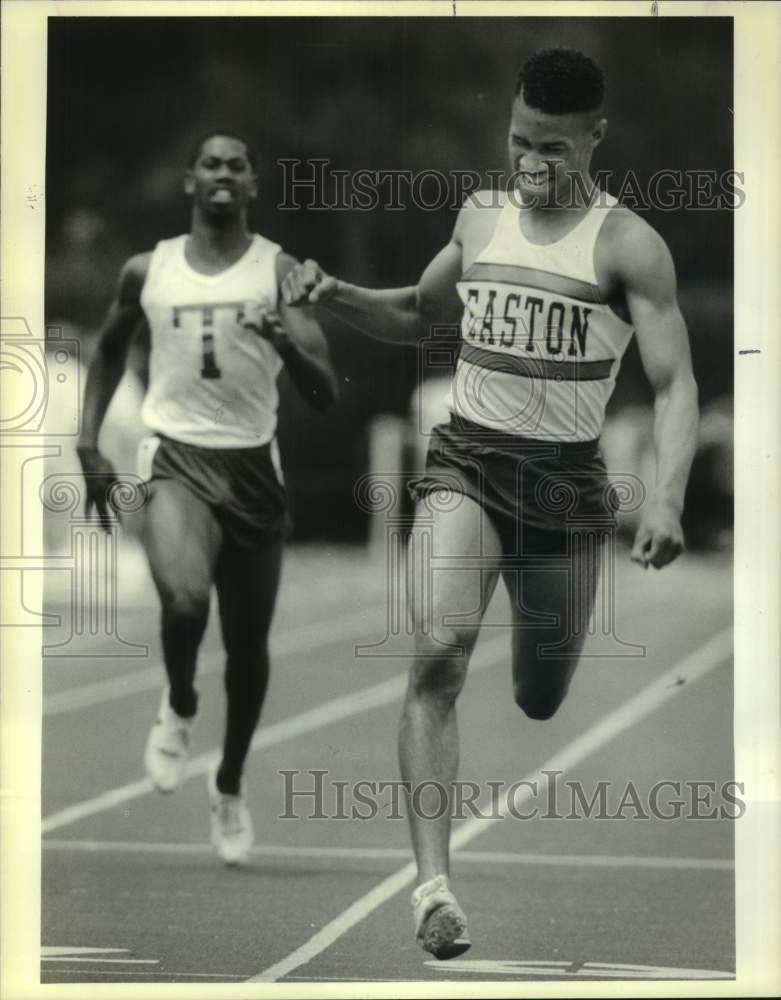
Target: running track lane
{"x": 696, "y": 665}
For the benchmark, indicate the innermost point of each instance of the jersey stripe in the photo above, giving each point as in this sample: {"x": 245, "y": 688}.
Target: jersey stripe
{"x": 532, "y": 277}
{"x": 559, "y": 371}
{"x": 184, "y": 307}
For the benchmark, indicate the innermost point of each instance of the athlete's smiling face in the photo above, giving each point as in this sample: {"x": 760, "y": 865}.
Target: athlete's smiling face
{"x": 222, "y": 180}
{"x": 546, "y": 150}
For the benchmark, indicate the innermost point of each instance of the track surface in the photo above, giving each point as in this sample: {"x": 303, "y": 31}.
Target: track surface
{"x": 132, "y": 892}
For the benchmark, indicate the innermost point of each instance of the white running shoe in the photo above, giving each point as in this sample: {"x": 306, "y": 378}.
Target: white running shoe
{"x": 231, "y": 823}
{"x": 440, "y": 924}
{"x": 168, "y": 747}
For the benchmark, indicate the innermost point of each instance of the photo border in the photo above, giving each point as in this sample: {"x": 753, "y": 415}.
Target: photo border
{"x": 757, "y": 37}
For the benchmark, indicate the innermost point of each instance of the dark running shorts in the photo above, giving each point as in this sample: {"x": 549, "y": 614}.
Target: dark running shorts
{"x": 241, "y": 485}
{"x": 535, "y": 492}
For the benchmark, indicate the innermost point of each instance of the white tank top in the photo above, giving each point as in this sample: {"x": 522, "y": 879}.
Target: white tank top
{"x": 211, "y": 382}
{"x": 540, "y": 349}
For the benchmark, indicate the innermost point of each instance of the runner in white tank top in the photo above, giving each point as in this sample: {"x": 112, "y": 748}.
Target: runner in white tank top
{"x": 549, "y": 290}
{"x": 216, "y": 510}
{"x": 212, "y": 380}
{"x": 535, "y": 320}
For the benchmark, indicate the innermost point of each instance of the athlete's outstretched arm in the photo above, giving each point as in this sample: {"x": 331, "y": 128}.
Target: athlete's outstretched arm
{"x": 105, "y": 371}
{"x": 299, "y": 341}
{"x": 649, "y": 285}
{"x": 395, "y": 315}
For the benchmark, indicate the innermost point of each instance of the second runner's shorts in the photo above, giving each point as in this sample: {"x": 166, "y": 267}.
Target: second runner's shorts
{"x": 243, "y": 486}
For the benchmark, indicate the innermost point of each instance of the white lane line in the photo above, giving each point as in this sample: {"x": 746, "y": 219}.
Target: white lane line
{"x": 372, "y": 979}
{"x": 316, "y": 635}
{"x": 595, "y": 860}
{"x": 518, "y": 971}
{"x": 77, "y": 960}
{"x": 100, "y": 803}
{"x": 335, "y": 710}
{"x": 53, "y": 950}
{"x": 398, "y": 853}
{"x": 523, "y": 969}
{"x": 259, "y": 850}
{"x": 693, "y": 667}
{"x": 158, "y": 976}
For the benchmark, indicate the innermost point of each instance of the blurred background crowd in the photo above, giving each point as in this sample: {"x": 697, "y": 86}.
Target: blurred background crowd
{"x": 126, "y": 97}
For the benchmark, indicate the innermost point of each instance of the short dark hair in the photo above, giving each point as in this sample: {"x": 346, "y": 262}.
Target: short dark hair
{"x": 561, "y": 81}
{"x": 197, "y": 146}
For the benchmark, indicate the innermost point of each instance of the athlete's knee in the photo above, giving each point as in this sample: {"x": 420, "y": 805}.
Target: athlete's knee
{"x": 442, "y": 679}
{"x": 539, "y": 709}
{"x": 539, "y": 703}
{"x": 186, "y": 604}
{"x": 246, "y": 671}
{"x": 246, "y": 689}
{"x": 440, "y": 665}
{"x": 454, "y": 642}
{"x": 246, "y": 644}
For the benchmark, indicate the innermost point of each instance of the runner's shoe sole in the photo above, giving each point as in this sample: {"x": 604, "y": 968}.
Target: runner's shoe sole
{"x": 444, "y": 933}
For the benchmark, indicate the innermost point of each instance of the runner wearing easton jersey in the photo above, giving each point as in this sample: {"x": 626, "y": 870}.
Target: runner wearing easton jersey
{"x": 535, "y": 319}
{"x": 549, "y": 282}
{"x": 217, "y": 510}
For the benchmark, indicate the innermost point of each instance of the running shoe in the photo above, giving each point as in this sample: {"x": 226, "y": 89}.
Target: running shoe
{"x": 231, "y": 823}
{"x": 440, "y": 924}
{"x": 168, "y": 747}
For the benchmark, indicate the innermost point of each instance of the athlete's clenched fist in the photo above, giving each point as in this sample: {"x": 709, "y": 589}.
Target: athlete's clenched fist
{"x": 307, "y": 283}
{"x": 100, "y": 479}
{"x": 266, "y": 323}
{"x": 659, "y": 538}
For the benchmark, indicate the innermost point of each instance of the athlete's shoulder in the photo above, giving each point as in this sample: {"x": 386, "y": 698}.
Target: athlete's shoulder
{"x": 132, "y": 277}
{"x": 631, "y": 247}
{"x": 139, "y": 263}
{"x": 166, "y": 245}
{"x": 265, "y": 242}
{"x": 480, "y": 209}
{"x": 485, "y": 200}
{"x": 625, "y": 233}
{"x": 284, "y": 263}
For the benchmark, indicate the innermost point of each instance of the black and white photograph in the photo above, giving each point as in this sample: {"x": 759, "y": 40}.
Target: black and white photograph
{"x": 390, "y": 448}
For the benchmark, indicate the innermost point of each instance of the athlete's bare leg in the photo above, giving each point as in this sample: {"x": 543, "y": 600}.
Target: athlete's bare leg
{"x": 182, "y": 539}
{"x": 447, "y": 620}
{"x": 247, "y": 583}
{"x": 545, "y": 655}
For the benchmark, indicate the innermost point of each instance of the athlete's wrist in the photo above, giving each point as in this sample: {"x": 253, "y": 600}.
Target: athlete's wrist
{"x": 282, "y": 344}
{"x": 663, "y": 497}
{"x": 341, "y": 293}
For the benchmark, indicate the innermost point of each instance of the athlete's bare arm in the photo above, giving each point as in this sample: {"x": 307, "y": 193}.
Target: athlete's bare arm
{"x": 646, "y": 273}
{"x": 299, "y": 341}
{"x": 121, "y": 323}
{"x": 395, "y": 315}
